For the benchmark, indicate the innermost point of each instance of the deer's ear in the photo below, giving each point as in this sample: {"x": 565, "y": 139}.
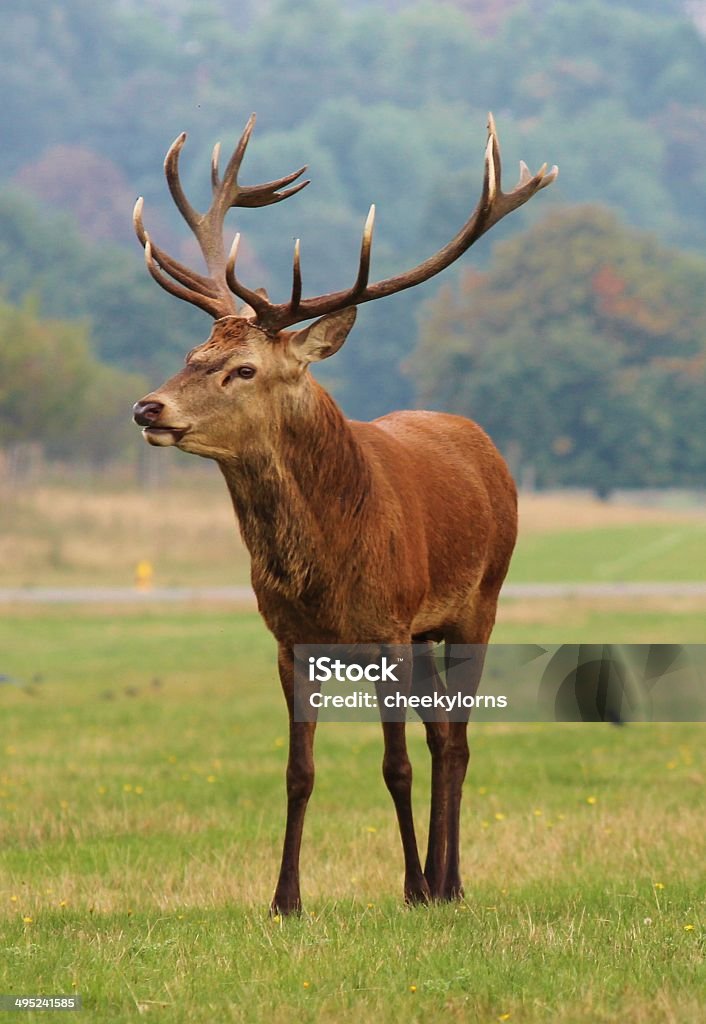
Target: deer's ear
{"x": 324, "y": 337}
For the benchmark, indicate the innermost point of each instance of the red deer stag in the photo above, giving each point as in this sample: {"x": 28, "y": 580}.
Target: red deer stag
{"x": 393, "y": 531}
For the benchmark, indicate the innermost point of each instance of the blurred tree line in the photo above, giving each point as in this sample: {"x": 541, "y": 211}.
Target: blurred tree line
{"x": 385, "y": 101}
{"x": 581, "y": 350}
{"x": 54, "y": 393}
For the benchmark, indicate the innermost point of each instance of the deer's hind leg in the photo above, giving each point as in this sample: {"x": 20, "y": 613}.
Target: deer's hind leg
{"x": 426, "y": 683}
{"x": 397, "y": 772}
{"x": 464, "y": 666}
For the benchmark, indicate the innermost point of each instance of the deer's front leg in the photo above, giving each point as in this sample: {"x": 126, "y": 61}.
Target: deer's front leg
{"x": 300, "y": 783}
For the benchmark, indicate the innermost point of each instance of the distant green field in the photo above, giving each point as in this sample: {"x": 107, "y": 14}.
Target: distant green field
{"x": 141, "y": 803}
{"x": 673, "y": 551}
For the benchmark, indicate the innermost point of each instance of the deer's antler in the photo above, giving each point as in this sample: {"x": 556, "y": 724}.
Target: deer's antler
{"x": 215, "y": 293}
{"x": 211, "y": 292}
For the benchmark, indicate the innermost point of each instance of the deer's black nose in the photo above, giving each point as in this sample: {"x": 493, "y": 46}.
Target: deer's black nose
{"x": 146, "y": 413}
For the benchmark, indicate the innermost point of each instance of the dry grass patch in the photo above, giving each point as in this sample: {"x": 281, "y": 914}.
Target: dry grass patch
{"x": 545, "y": 513}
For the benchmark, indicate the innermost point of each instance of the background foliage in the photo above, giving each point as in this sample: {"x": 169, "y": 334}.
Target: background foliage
{"x": 387, "y": 103}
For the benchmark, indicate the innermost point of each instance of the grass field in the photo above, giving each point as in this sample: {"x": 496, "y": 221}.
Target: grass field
{"x": 72, "y": 536}
{"x": 141, "y": 802}
{"x": 141, "y": 797}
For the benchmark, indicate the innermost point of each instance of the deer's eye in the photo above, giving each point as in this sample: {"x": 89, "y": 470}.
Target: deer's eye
{"x": 244, "y": 372}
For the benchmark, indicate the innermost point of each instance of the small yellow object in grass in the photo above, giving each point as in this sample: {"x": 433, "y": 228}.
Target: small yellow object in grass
{"x": 276, "y": 919}
{"x": 499, "y": 816}
{"x": 505, "y": 1016}
{"x": 279, "y": 742}
{"x": 671, "y": 765}
{"x": 688, "y": 927}
{"x": 27, "y": 920}
{"x": 370, "y": 906}
{"x": 305, "y": 984}
{"x": 63, "y": 903}
{"x": 658, "y": 885}
{"x": 412, "y": 988}
{"x": 591, "y": 800}
{"x": 143, "y": 574}
{"x": 14, "y": 899}
{"x": 537, "y": 813}
{"x": 127, "y": 788}
{"x": 371, "y": 828}
{"x": 211, "y": 778}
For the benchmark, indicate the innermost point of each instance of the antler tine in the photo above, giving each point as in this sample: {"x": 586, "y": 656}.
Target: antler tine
{"x": 296, "y": 280}
{"x": 211, "y": 304}
{"x": 171, "y": 170}
{"x": 365, "y": 249}
{"x": 173, "y": 267}
{"x": 259, "y": 303}
{"x": 215, "y": 176}
{"x": 267, "y": 194}
{"x": 227, "y": 191}
{"x": 230, "y": 191}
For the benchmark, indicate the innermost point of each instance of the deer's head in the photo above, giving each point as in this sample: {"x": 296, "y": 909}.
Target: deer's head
{"x": 252, "y": 370}
{"x": 235, "y": 387}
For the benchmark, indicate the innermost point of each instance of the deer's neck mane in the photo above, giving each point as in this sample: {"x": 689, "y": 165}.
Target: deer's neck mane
{"x": 301, "y": 497}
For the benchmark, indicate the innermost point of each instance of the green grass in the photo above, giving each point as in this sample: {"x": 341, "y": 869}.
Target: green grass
{"x": 141, "y": 803}
{"x": 666, "y": 551}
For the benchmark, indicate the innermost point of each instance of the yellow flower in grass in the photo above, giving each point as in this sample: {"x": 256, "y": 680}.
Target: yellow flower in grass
{"x": 499, "y": 816}
{"x": 412, "y": 988}
{"x": 688, "y": 927}
{"x": 27, "y": 920}
{"x": 592, "y": 800}
{"x": 658, "y": 885}
{"x": 505, "y": 1016}
{"x": 305, "y": 984}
